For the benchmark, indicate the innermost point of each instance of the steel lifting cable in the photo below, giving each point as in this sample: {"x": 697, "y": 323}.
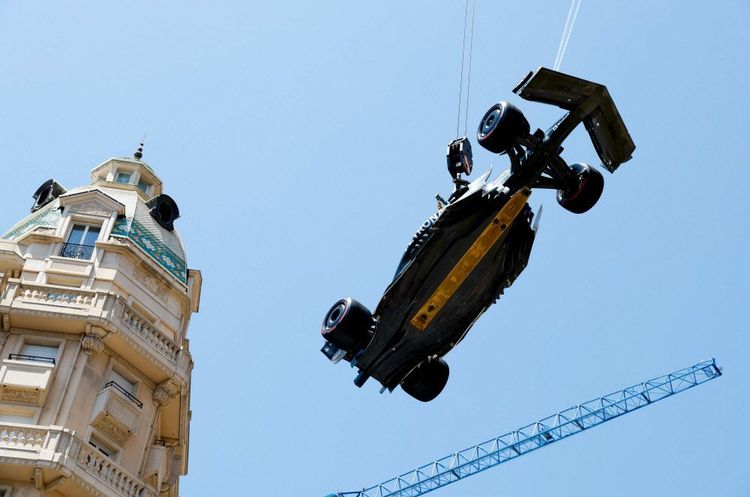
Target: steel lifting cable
{"x": 575, "y": 5}
{"x": 463, "y": 67}
{"x": 461, "y": 71}
{"x": 468, "y": 79}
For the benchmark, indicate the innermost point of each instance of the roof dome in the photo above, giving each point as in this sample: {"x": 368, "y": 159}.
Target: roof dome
{"x": 141, "y": 207}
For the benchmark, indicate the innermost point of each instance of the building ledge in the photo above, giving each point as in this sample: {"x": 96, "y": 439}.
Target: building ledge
{"x": 10, "y": 255}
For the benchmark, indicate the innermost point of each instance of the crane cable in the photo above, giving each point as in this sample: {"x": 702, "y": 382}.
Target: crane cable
{"x": 465, "y": 69}
{"x": 575, "y": 5}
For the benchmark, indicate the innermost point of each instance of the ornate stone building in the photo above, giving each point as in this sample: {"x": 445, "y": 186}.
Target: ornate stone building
{"x": 95, "y": 303}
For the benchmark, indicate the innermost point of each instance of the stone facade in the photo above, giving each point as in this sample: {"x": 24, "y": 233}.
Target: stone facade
{"x": 95, "y": 304}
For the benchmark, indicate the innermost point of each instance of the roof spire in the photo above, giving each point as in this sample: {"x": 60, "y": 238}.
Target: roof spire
{"x": 139, "y": 153}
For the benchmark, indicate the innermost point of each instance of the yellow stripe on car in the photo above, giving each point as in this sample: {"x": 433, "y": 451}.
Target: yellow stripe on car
{"x": 495, "y": 231}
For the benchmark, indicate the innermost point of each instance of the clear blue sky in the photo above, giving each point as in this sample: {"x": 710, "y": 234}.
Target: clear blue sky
{"x": 306, "y": 140}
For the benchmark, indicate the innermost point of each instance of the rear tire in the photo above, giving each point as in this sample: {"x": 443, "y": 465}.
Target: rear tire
{"x": 426, "y": 381}
{"x": 347, "y": 325}
{"x": 583, "y": 193}
{"x": 501, "y": 126}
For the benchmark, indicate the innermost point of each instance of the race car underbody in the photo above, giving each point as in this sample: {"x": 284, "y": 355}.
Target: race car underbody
{"x": 479, "y": 241}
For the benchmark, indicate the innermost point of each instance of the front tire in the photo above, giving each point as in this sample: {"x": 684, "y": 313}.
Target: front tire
{"x": 426, "y": 381}
{"x": 347, "y": 325}
{"x": 501, "y": 126}
{"x": 584, "y": 192}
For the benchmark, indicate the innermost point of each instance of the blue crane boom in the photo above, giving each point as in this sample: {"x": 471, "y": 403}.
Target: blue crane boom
{"x": 574, "y": 420}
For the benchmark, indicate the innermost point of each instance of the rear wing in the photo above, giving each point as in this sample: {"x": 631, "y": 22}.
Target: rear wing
{"x": 588, "y": 101}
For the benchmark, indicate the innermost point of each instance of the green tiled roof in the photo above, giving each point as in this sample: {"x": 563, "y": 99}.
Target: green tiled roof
{"x": 47, "y": 217}
{"x": 150, "y": 243}
{"x": 162, "y": 246}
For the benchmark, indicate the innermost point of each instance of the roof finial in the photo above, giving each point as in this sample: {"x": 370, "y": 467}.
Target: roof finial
{"x": 139, "y": 153}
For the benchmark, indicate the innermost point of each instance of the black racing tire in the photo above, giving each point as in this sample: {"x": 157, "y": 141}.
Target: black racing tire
{"x": 426, "y": 381}
{"x": 583, "y": 194}
{"x": 501, "y": 126}
{"x": 347, "y": 324}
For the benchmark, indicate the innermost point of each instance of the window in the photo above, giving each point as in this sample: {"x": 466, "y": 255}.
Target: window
{"x": 123, "y": 177}
{"x": 36, "y": 352}
{"x": 80, "y": 244}
{"x": 126, "y": 385}
{"x": 143, "y": 186}
{"x": 102, "y": 447}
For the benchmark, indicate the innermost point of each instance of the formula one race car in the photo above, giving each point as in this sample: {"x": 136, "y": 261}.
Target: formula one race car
{"x": 478, "y": 242}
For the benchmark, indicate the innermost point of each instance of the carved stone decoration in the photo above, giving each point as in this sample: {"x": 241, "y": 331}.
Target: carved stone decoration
{"x": 161, "y": 397}
{"x": 24, "y": 396}
{"x": 109, "y": 425}
{"x": 92, "y": 344}
{"x": 164, "y": 392}
{"x": 149, "y": 281}
{"x": 91, "y": 207}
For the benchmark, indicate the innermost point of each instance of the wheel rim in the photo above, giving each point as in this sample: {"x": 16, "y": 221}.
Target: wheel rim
{"x": 489, "y": 123}
{"x": 335, "y": 315}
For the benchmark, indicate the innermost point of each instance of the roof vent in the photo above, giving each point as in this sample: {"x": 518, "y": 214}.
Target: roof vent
{"x": 164, "y": 210}
{"x": 46, "y": 193}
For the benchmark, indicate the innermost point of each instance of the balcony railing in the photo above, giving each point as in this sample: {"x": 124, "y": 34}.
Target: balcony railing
{"x": 150, "y": 334}
{"x": 22, "y": 437}
{"x": 19, "y": 441}
{"x": 122, "y": 390}
{"x": 108, "y": 471}
{"x": 36, "y": 358}
{"x": 96, "y": 305}
{"x": 76, "y": 251}
{"x": 56, "y": 295}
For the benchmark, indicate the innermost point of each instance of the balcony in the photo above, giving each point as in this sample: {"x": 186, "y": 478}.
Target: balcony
{"x": 76, "y": 251}
{"x": 148, "y": 333}
{"x": 26, "y": 379}
{"x": 106, "y": 471}
{"x": 54, "y": 298}
{"x": 116, "y": 412}
{"x": 59, "y": 452}
{"x": 30, "y": 305}
{"x": 132, "y": 398}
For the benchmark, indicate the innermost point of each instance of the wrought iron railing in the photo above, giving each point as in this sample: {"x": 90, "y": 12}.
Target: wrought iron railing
{"x": 76, "y": 251}
{"x": 27, "y": 357}
{"x": 122, "y": 390}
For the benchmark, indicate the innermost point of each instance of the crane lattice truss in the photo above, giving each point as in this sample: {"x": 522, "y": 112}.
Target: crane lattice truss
{"x": 540, "y": 434}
